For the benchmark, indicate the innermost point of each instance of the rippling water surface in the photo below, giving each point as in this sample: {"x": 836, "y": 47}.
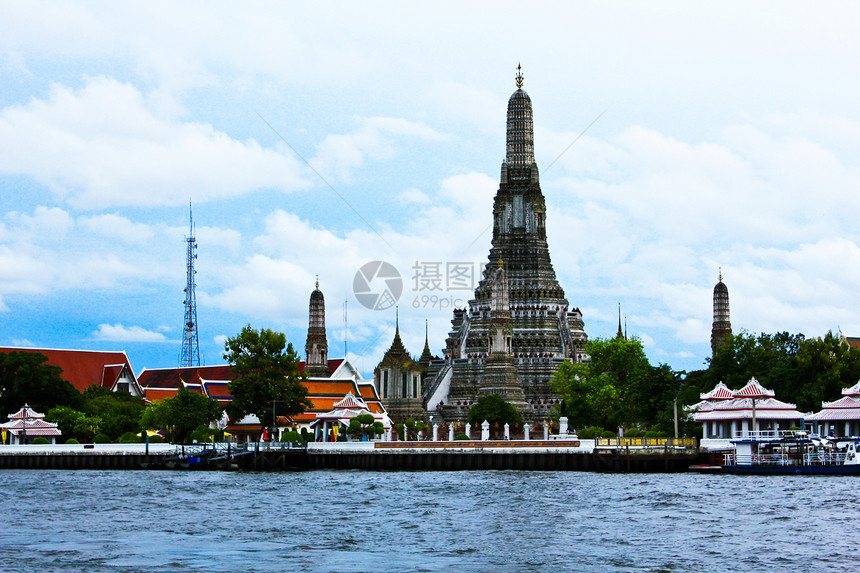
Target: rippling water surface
{"x": 424, "y": 521}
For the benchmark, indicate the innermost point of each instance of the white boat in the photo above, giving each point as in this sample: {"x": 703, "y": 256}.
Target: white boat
{"x": 792, "y": 452}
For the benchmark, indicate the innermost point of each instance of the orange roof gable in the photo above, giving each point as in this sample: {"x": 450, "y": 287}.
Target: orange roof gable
{"x": 84, "y": 368}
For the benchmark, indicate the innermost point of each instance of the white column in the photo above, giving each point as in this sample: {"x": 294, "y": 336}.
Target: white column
{"x": 507, "y": 431}
{"x": 435, "y": 432}
{"x": 562, "y": 425}
{"x": 546, "y": 431}
{"x": 450, "y": 432}
{"x": 485, "y": 431}
{"x": 526, "y": 429}
{"x": 469, "y": 431}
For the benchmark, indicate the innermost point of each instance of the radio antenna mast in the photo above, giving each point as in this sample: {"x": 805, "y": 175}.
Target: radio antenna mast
{"x": 190, "y": 355}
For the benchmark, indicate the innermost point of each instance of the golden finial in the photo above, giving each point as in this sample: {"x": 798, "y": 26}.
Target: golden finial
{"x": 519, "y": 76}
{"x": 318, "y": 282}
{"x": 501, "y": 264}
{"x": 721, "y": 274}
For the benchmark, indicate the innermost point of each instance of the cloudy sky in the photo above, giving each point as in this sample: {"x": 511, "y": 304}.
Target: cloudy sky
{"x": 673, "y": 138}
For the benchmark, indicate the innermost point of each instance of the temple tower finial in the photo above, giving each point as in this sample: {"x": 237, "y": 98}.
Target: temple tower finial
{"x": 519, "y": 76}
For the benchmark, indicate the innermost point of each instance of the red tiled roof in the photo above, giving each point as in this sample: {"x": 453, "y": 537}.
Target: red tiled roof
{"x": 84, "y": 368}
{"x": 173, "y": 377}
{"x": 753, "y": 390}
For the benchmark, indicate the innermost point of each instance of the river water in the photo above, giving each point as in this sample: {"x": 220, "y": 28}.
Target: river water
{"x": 136, "y": 521}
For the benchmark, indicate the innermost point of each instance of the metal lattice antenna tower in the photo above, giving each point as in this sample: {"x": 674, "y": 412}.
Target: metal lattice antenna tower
{"x": 190, "y": 355}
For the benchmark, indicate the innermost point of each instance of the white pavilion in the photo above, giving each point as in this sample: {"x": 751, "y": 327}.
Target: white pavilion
{"x": 840, "y": 417}
{"x": 727, "y": 414}
{"x": 25, "y": 425}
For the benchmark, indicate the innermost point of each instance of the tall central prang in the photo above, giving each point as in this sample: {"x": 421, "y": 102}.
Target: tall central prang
{"x": 541, "y": 328}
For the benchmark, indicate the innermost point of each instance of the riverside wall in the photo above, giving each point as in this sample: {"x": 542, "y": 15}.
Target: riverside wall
{"x": 381, "y": 456}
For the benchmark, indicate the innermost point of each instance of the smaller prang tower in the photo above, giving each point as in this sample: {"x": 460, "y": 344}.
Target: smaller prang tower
{"x": 190, "y": 354}
{"x": 722, "y": 327}
{"x": 316, "y": 348}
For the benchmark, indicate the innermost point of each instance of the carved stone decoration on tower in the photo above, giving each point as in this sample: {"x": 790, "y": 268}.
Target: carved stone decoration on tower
{"x": 316, "y": 347}
{"x": 544, "y": 330}
{"x": 722, "y": 326}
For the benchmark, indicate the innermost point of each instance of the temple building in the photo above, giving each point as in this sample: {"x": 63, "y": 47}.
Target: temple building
{"x": 721, "y": 330}
{"x": 398, "y": 379}
{"x": 519, "y": 328}
{"x": 330, "y": 381}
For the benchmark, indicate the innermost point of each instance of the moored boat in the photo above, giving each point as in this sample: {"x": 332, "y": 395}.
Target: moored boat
{"x": 792, "y": 452}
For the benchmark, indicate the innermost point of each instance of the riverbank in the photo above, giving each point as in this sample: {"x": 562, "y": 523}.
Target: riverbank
{"x": 570, "y": 455}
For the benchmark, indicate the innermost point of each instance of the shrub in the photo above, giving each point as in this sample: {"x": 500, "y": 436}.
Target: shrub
{"x": 608, "y": 434}
{"x": 40, "y": 441}
{"x": 72, "y": 441}
{"x": 156, "y": 439}
{"x": 101, "y": 439}
{"x": 634, "y": 433}
{"x": 650, "y": 434}
{"x": 461, "y": 437}
{"x": 590, "y": 433}
{"x": 292, "y": 436}
{"x": 129, "y": 438}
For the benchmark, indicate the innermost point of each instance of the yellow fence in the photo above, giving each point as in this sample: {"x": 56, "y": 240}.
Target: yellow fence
{"x": 647, "y": 442}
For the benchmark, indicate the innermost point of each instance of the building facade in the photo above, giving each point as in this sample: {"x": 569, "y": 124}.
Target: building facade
{"x": 512, "y": 347}
{"x": 398, "y": 379}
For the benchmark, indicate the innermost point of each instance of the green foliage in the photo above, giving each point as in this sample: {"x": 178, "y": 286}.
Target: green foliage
{"x": 72, "y": 441}
{"x": 801, "y": 371}
{"x": 365, "y": 425}
{"x": 65, "y": 417}
{"x": 201, "y": 434}
{"x": 495, "y": 410}
{"x": 119, "y": 411}
{"x": 634, "y": 433}
{"x": 617, "y": 387}
{"x": 86, "y": 427}
{"x": 101, "y": 439}
{"x": 265, "y": 374}
{"x": 156, "y": 439}
{"x": 182, "y": 414}
{"x": 40, "y": 441}
{"x": 400, "y": 430}
{"x": 590, "y": 432}
{"x": 293, "y": 436}
{"x": 129, "y": 438}
{"x": 461, "y": 437}
{"x": 608, "y": 434}
{"x": 412, "y": 427}
{"x": 27, "y": 378}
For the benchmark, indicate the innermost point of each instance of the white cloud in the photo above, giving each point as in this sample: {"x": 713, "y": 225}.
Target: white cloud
{"x": 103, "y": 145}
{"x": 374, "y": 139}
{"x": 121, "y": 333}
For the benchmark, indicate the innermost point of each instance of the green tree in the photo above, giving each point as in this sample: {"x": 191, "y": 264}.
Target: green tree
{"x": 607, "y": 391}
{"x": 801, "y": 371}
{"x": 826, "y": 365}
{"x": 495, "y": 410}
{"x": 365, "y": 425}
{"x": 27, "y": 378}
{"x": 119, "y": 411}
{"x": 265, "y": 373}
{"x": 181, "y": 414}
